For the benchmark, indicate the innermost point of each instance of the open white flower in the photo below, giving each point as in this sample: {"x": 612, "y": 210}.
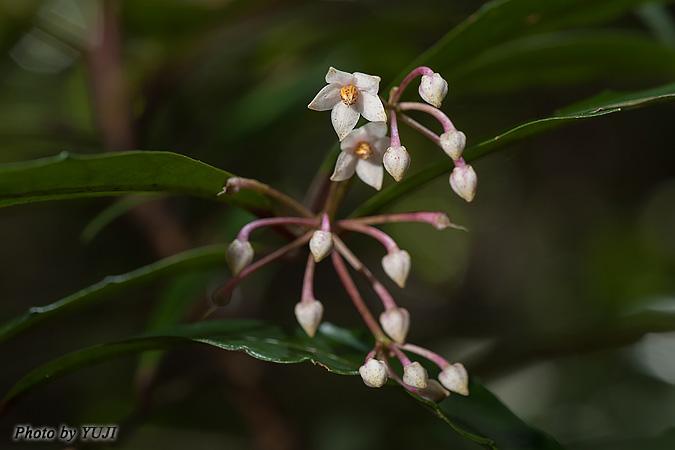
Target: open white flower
{"x": 349, "y": 96}
{"x": 362, "y": 152}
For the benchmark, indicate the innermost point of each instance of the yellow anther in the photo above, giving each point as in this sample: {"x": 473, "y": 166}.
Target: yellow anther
{"x": 349, "y": 94}
{"x": 364, "y": 150}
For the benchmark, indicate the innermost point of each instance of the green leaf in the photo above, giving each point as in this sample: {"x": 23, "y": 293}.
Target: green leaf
{"x": 112, "y": 212}
{"x": 179, "y": 264}
{"x": 561, "y": 58}
{"x": 599, "y": 105}
{"x": 268, "y": 343}
{"x": 500, "y": 21}
{"x": 73, "y": 176}
{"x": 335, "y": 349}
{"x": 483, "y": 414}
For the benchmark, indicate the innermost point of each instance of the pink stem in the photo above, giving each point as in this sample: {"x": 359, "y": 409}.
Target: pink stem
{"x": 422, "y": 70}
{"x": 325, "y": 222}
{"x": 393, "y": 128}
{"x": 421, "y": 128}
{"x": 372, "y": 354}
{"x": 428, "y": 354}
{"x": 380, "y": 235}
{"x": 225, "y": 291}
{"x": 354, "y": 294}
{"x": 308, "y": 280}
{"x": 437, "y": 219}
{"x": 437, "y": 113}
{"x": 400, "y": 355}
{"x": 235, "y": 183}
{"x": 429, "y": 134}
{"x": 380, "y": 290}
{"x": 249, "y": 227}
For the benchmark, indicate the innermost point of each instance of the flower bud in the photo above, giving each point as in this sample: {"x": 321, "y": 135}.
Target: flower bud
{"x": 321, "y": 244}
{"x": 238, "y": 256}
{"x": 231, "y": 186}
{"x": 396, "y": 161}
{"x": 455, "y": 378}
{"x": 396, "y": 323}
{"x": 396, "y": 265}
{"x": 464, "y": 182}
{"x": 433, "y": 89}
{"x": 441, "y": 221}
{"x": 309, "y": 314}
{"x": 415, "y": 375}
{"x": 374, "y": 373}
{"x": 453, "y": 143}
{"x": 434, "y": 391}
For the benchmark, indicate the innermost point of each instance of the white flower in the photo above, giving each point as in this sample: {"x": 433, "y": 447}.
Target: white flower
{"x": 396, "y": 161}
{"x": 433, "y": 89}
{"x": 434, "y": 391}
{"x": 349, "y": 96}
{"x": 309, "y": 314}
{"x": 238, "y": 256}
{"x": 453, "y": 143}
{"x": 396, "y": 323}
{"x": 374, "y": 373}
{"x": 321, "y": 244}
{"x": 455, "y": 378}
{"x": 362, "y": 151}
{"x": 464, "y": 182}
{"x": 415, "y": 375}
{"x": 396, "y": 265}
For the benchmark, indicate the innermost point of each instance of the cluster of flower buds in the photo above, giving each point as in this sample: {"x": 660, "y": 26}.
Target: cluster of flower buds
{"x": 365, "y": 151}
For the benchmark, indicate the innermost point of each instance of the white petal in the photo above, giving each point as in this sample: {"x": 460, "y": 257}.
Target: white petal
{"x": 370, "y": 173}
{"x": 370, "y": 107}
{"x": 344, "y": 119}
{"x": 368, "y": 83}
{"x": 326, "y": 98}
{"x": 381, "y": 145}
{"x": 344, "y": 167}
{"x": 350, "y": 142}
{"x": 339, "y": 77}
{"x": 376, "y": 130}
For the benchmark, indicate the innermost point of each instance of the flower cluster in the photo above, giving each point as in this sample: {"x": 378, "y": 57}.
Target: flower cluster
{"x": 366, "y": 149}
{"x": 366, "y": 152}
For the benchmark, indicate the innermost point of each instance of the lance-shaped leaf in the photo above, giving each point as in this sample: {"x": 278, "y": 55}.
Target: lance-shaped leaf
{"x": 73, "y": 176}
{"x": 600, "y": 105}
{"x": 480, "y": 417}
{"x": 181, "y": 263}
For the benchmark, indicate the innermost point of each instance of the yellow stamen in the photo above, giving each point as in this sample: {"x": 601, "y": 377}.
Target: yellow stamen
{"x": 349, "y": 94}
{"x": 364, "y": 150}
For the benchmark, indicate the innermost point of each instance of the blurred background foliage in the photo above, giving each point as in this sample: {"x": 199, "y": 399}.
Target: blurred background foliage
{"x": 561, "y": 298}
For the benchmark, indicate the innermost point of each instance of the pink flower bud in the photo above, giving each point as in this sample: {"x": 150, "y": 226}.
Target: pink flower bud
{"x": 309, "y": 314}
{"x": 434, "y": 391}
{"x": 433, "y": 89}
{"x": 464, "y": 182}
{"x": 238, "y": 256}
{"x": 396, "y": 323}
{"x": 453, "y": 143}
{"x": 455, "y": 378}
{"x": 321, "y": 244}
{"x": 396, "y": 265}
{"x": 396, "y": 161}
{"x": 374, "y": 373}
{"x": 415, "y": 375}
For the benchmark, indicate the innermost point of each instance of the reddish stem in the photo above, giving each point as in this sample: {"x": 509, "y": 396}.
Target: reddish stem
{"x": 354, "y": 294}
